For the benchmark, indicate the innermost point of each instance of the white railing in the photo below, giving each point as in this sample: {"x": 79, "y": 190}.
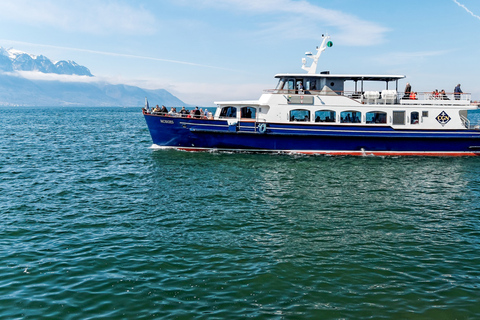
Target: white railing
{"x": 465, "y": 121}
{"x": 386, "y": 96}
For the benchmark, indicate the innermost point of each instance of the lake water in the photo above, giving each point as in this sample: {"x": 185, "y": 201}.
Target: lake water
{"x": 96, "y": 224}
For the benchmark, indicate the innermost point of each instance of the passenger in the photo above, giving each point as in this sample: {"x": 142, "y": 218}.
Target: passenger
{"x": 408, "y": 91}
{"x": 183, "y": 112}
{"x": 171, "y": 112}
{"x": 202, "y": 114}
{"x": 206, "y": 113}
{"x": 156, "y": 109}
{"x": 457, "y": 92}
{"x": 197, "y": 113}
{"x": 163, "y": 110}
{"x": 306, "y": 118}
{"x": 443, "y": 95}
{"x": 413, "y": 96}
{"x": 300, "y": 87}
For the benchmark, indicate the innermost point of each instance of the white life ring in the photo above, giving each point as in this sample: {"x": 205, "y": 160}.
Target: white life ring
{"x": 262, "y": 127}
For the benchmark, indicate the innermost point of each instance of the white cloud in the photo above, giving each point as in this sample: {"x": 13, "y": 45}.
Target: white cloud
{"x": 466, "y": 9}
{"x": 300, "y": 19}
{"x": 36, "y": 75}
{"x": 94, "y": 17}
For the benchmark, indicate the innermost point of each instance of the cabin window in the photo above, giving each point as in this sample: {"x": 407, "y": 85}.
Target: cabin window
{"x": 299, "y": 115}
{"x": 350, "y": 117}
{"x": 280, "y": 84}
{"x": 248, "y": 112}
{"x": 291, "y": 84}
{"x": 414, "y": 116}
{"x": 228, "y": 112}
{"x": 398, "y": 117}
{"x": 325, "y": 116}
{"x": 376, "y": 117}
{"x": 311, "y": 84}
{"x": 425, "y": 114}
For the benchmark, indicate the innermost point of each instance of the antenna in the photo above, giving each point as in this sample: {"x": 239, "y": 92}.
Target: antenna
{"x": 313, "y": 68}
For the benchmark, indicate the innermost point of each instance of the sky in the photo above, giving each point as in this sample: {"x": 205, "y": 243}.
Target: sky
{"x": 212, "y": 50}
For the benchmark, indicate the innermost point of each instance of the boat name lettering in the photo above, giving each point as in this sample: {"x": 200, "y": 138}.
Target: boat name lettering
{"x": 167, "y": 121}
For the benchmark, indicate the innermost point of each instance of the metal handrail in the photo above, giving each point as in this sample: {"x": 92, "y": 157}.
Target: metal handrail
{"x": 360, "y": 95}
{"x": 465, "y": 121}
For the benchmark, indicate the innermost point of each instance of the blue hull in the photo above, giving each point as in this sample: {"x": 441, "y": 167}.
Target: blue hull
{"x": 202, "y": 134}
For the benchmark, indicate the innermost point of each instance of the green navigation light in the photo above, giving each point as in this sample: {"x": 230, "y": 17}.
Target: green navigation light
{"x": 329, "y": 44}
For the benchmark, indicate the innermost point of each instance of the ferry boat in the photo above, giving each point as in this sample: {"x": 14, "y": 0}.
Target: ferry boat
{"x": 311, "y": 113}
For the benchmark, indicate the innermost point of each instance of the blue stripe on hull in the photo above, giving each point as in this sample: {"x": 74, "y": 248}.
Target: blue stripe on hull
{"x": 217, "y": 134}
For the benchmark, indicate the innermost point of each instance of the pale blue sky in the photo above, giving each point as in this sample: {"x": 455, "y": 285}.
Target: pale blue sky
{"x": 207, "y": 50}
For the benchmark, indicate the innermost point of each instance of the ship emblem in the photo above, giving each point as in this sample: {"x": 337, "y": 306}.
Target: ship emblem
{"x": 443, "y": 118}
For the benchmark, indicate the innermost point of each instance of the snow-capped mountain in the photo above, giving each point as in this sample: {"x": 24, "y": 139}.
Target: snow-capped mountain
{"x": 14, "y": 60}
{"x": 17, "y": 90}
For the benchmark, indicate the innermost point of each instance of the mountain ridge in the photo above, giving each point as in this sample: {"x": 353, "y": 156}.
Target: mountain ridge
{"x": 16, "y": 90}
{"x": 14, "y": 60}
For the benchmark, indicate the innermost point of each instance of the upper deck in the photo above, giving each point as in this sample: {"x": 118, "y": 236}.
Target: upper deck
{"x": 326, "y": 84}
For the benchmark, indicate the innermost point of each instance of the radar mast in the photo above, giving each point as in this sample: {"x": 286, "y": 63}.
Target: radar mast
{"x": 313, "y": 67}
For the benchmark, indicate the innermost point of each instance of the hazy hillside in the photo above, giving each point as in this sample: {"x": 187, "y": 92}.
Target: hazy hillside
{"x": 16, "y": 91}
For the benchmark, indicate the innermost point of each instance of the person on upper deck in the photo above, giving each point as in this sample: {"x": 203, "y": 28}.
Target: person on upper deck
{"x": 163, "y": 110}
{"x": 457, "y": 92}
{"x": 408, "y": 90}
{"x": 443, "y": 95}
{"x": 300, "y": 87}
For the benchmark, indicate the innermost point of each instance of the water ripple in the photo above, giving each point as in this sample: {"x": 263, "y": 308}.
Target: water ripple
{"x": 95, "y": 224}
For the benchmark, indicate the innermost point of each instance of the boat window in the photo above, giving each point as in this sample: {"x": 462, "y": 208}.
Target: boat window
{"x": 425, "y": 114}
{"x": 350, "y": 117}
{"x": 398, "y": 117}
{"x": 228, "y": 112}
{"x": 311, "y": 84}
{"x": 414, "y": 117}
{"x": 376, "y": 117}
{"x": 280, "y": 84}
{"x": 299, "y": 115}
{"x": 291, "y": 84}
{"x": 325, "y": 116}
{"x": 248, "y": 112}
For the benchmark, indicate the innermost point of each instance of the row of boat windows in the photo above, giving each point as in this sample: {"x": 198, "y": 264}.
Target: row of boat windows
{"x": 350, "y": 116}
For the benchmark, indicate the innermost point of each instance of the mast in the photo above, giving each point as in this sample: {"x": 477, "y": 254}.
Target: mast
{"x": 313, "y": 68}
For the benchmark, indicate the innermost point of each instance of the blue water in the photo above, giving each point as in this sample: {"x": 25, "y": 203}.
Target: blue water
{"x": 97, "y": 225}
